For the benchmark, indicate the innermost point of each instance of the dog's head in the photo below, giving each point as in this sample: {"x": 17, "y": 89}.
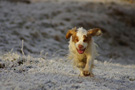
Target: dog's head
{"x": 82, "y": 37}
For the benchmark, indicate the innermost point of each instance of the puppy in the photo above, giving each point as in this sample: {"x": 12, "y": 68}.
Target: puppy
{"x": 82, "y": 49}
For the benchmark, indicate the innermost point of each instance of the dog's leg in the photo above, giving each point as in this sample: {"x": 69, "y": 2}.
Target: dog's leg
{"x": 91, "y": 67}
{"x": 81, "y": 73}
{"x": 88, "y": 67}
{"x": 81, "y": 66}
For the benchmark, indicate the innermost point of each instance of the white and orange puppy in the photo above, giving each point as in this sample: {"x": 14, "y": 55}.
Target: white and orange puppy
{"x": 82, "y": 49}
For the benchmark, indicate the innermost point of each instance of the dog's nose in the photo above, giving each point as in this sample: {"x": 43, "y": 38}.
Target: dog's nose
{"x": 80, "y": 46}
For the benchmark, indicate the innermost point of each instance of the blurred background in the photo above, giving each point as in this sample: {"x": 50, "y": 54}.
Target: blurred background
{"x": 42, "y": 25}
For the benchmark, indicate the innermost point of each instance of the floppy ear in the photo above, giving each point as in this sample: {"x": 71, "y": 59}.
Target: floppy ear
{"x": 94, "y": 32}
{"x": 70, "y": 33}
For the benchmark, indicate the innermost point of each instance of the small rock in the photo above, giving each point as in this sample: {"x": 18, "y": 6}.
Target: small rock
{"x": 2, "y": 65}
{"x": 132, "y": 79}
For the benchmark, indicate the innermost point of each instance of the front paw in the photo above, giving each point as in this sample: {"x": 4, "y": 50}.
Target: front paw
{"x": 87, "y": 73}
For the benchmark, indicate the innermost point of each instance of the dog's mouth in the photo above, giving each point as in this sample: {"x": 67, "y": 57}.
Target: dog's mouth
{"x": 81, "y": 51}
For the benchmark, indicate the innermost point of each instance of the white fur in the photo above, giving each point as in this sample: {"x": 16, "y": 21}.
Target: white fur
{"x": 80, "y": 33}
{"x": 88, "y": 55}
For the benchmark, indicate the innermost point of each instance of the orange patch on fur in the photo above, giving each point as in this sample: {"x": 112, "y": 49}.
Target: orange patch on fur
{"x": 87, "y": 38}
{"x": 75, "y": 38}
{"x": 73, "y": 33}
{"x": 94, "y": 32}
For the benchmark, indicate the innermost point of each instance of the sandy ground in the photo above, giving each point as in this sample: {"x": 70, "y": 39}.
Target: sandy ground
{"x": 42, "y": 27}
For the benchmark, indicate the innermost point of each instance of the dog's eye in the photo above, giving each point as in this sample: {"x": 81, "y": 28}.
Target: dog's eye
{"x": 77, "y": 39}
{"x": 84, "y": 40}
